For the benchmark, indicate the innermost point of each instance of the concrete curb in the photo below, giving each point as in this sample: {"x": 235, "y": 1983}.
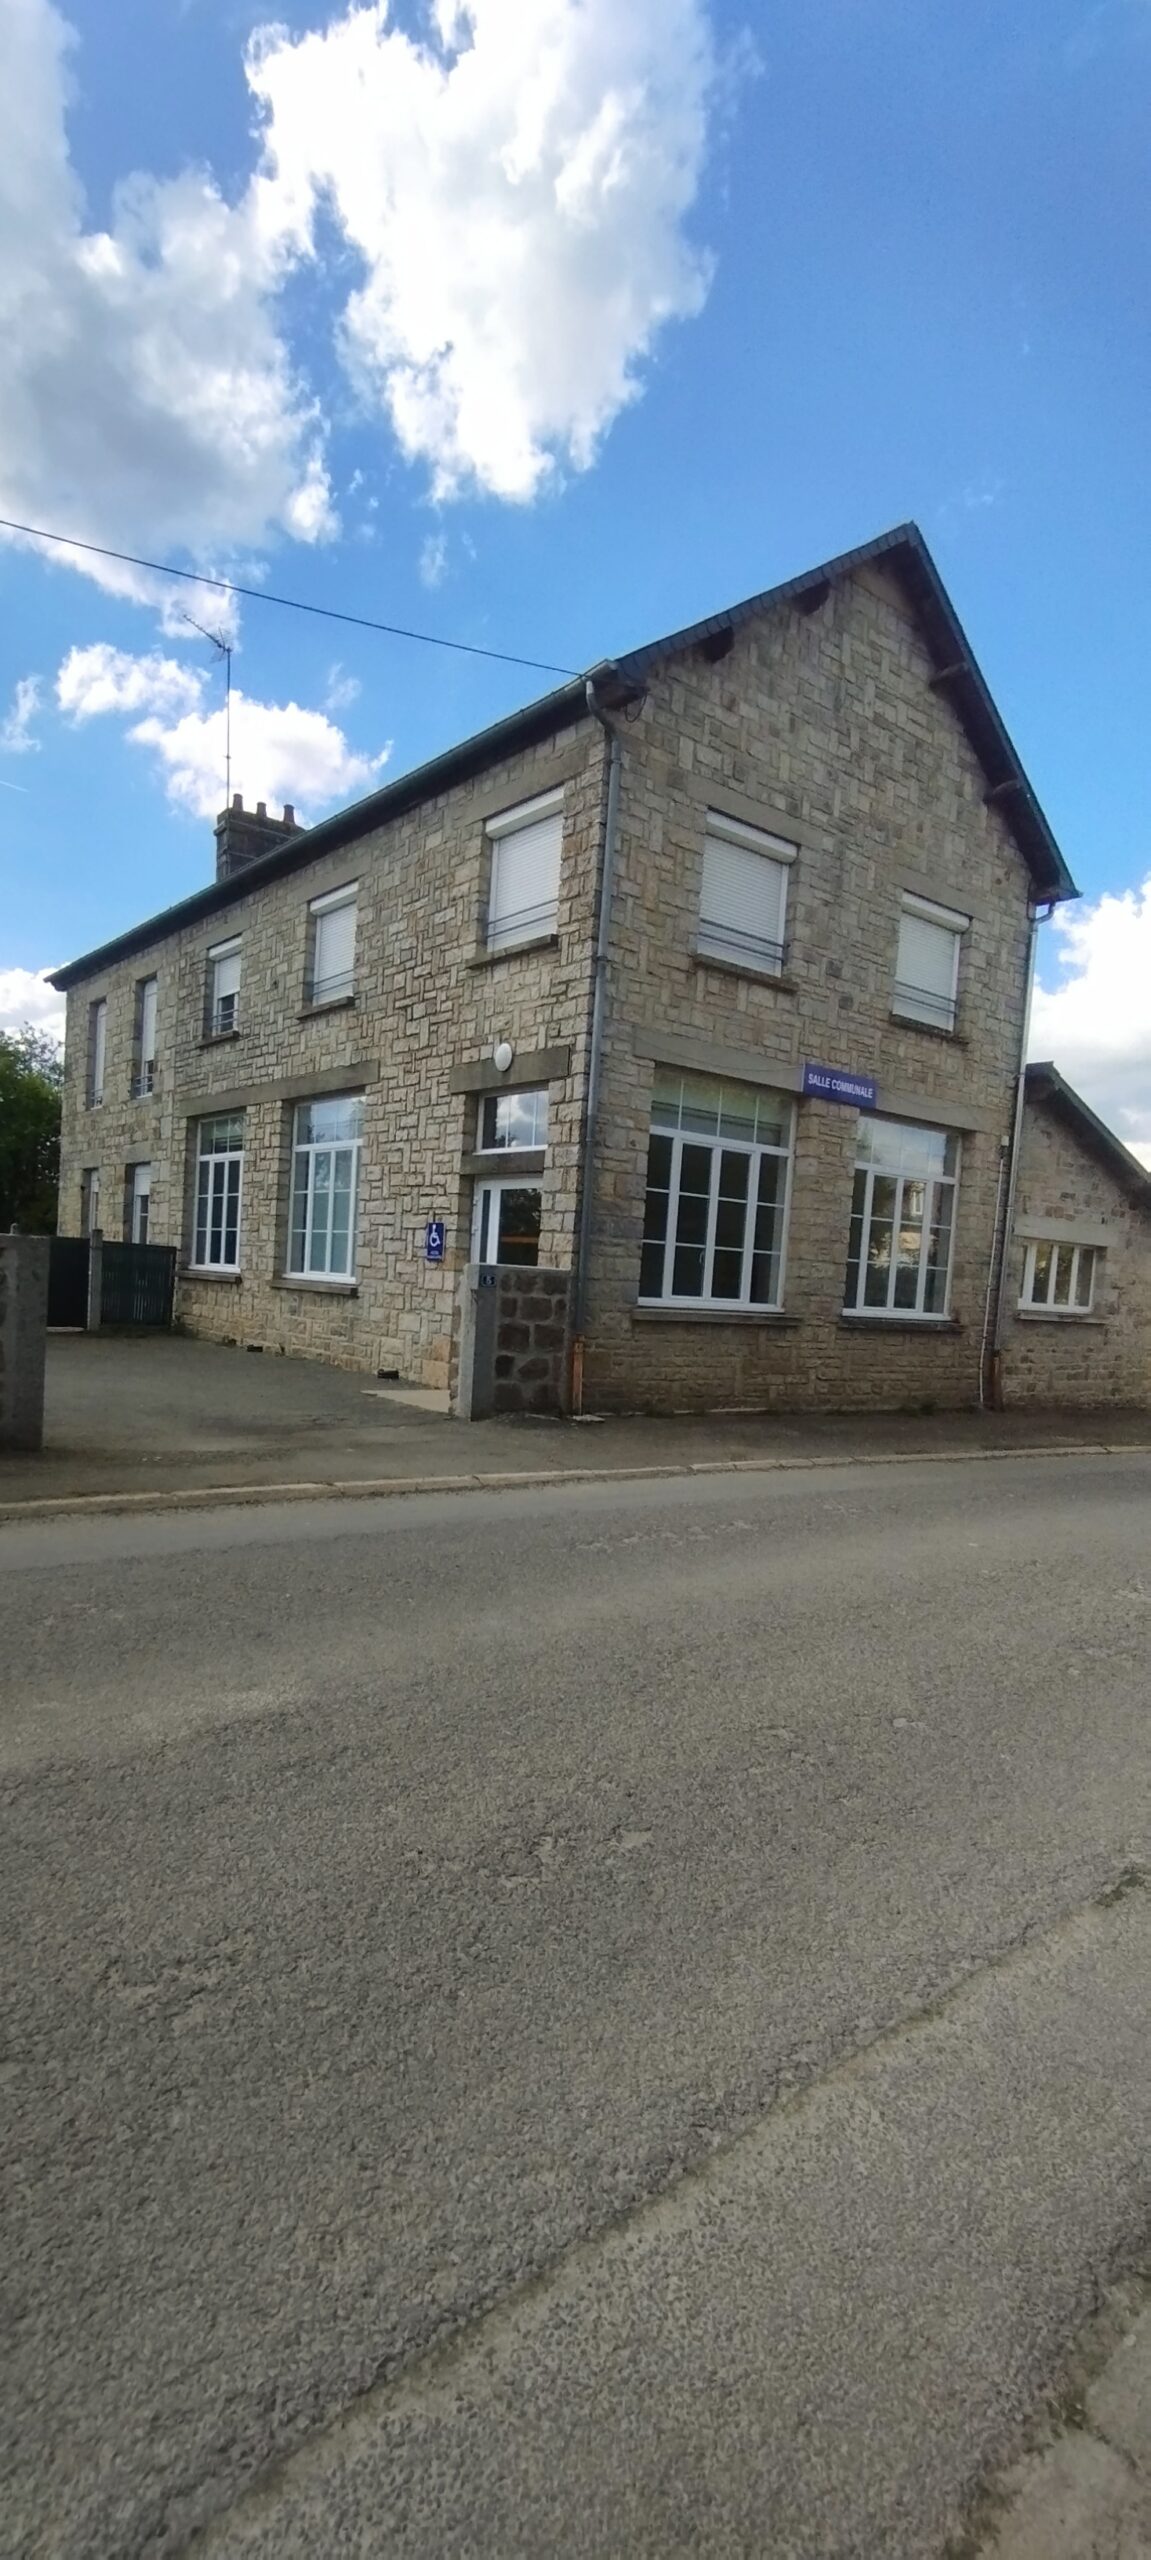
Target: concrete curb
{"x": 383, "y": 1488}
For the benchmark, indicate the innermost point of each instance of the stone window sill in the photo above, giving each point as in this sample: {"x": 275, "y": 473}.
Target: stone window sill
{"x": 881, "y": 1323}
{"x": 742, "y": 969}
{"x": 930, "y": 1030}
{"x": 329, "y": 1004}
{"x": 1059, "y": 1315}
{"x": 322, "y": 1288}
{"x": 220, "y": 1039}
{"x": 485, "y": 959}
{"x": 643, "y": 1313}
{"x": 219, "y": 1279}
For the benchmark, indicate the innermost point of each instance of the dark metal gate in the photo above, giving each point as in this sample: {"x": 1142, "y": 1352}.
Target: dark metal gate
{"x": 138, "y": 1284}
{"x": 68, "y": 1281}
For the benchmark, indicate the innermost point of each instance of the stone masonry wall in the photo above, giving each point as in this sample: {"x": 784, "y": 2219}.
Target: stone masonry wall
{"x": 822, "y": 728}
{"x": 428, "y": 1001}
{"x": 1104, "y": 1357}
{"x": 530, "y": 1341}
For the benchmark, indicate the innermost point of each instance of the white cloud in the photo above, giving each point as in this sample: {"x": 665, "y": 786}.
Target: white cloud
{"x": 280, "y": 750}
{"x": 1096, "y": 1021}
{"x": 25, "y": 996}
{"x": 434, "y": 560}
{"x": 146, "y": 397}
{"x": 341, "y": 689}
{"x": 516, "y": 188}
{"x": 16, "y": 737}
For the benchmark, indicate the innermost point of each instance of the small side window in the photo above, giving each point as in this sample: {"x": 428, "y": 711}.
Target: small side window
{"x": 1059, "y": 1279}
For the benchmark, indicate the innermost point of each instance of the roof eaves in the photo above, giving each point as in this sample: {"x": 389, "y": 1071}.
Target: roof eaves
{"x": 907, "y": 552}
{"x": 527, "y": 727}
{"x": 1044, "y": 1083}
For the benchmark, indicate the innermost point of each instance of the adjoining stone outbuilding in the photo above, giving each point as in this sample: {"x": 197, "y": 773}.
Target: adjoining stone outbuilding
{"x": 1078, "y": 1318}
{"x": 702, "y": 981}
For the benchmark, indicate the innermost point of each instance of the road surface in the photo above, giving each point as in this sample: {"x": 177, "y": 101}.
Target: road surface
{"x": 607, "y": 2021}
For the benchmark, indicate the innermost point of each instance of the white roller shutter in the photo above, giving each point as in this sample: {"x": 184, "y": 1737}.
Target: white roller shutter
{"x": 743, "y": 900}
{"x": 927, "y": 968}
{"x": 523, "y": 898}
{"x": 334, "y": 954}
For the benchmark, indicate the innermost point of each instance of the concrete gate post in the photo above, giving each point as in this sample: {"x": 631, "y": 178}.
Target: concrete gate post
{"x": 95, "y": 1278}
{"x": 23, "y": 1339}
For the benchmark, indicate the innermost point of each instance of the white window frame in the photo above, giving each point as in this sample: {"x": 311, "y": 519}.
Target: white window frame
{"x": 720, "y": 1145}
{"x": 762, "y": 956}
{"x": 337, "y": 989}
{"x": 144, "y": 1074}
{"x": 139, "y": 1190}
{"x": 90, "y": 1199}
{"x": 499, "y": 1149}
{"x": 527, "y": 924}
{"x": 922, "y": 1005}
{"x": 219, "y": 956}
{"x": 97, "y": 1050}
{"x": 890, "y": 1312}
{"x": 306, "y": 1153}
{"x": 221, "y": 1159}
{"x": 1048, "y": 1305}
{"x": 486, "y": 1198}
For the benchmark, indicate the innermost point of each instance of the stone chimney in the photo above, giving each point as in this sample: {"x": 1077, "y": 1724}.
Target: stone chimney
{"x": 242, "y": 835}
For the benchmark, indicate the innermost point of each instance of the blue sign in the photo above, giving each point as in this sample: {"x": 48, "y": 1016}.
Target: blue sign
{"x": 435, "y": 1240}
{"x": 833, "y": 1084}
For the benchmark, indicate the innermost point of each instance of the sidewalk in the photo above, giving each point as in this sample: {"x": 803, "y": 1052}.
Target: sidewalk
{"x": 1083, "y": 2491}
{"x": 167, "y": 1417}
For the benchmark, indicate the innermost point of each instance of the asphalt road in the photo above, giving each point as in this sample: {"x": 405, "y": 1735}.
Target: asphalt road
{"x": 609, "y": 2021}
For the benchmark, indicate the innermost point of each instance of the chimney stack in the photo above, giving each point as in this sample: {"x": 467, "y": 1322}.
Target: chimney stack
{"x": 242, "y": 835}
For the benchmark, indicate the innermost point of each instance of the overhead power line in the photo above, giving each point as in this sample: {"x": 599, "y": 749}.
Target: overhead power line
{"x": 291, "y": 604}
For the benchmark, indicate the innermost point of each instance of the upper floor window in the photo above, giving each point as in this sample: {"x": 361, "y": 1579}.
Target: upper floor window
{"x": 1059, "y": 1278}
{"x": 223, "y": 988}
{"x": 144, "y": 1061}
{"x": 511, "y": 1120}
{"x": 902, "y": 1220}
{"x": 325, "y": 1181}
{"x": 743, "y": 897}
{"x": 90, "y": 1200}
{"x": 927, "y": 966}
{"x": 139, "y": 1202}
{"x": 97, "y": 1049}
{"x": 717, "y": 1186}
{"x": 332, "y": 963}
{"x": 219, "y": 1189}
{"x": 524, "y": 881}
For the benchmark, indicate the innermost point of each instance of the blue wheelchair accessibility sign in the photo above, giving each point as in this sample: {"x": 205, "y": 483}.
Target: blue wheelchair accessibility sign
{"x": 435, "y": 1240}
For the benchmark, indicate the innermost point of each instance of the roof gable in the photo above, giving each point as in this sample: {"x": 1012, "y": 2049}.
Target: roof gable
{"x": 1045, "y": 1087}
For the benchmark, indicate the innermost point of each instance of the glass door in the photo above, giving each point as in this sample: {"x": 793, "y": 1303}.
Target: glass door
{"x": 506, "y": 1227}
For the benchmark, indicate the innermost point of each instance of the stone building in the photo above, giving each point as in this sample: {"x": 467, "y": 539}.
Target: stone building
{"x": 1078, "y": 1316}
{"x": 700, "y": 986}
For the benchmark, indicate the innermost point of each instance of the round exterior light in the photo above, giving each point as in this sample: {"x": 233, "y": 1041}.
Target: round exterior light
{"x": 502, "y": 1055}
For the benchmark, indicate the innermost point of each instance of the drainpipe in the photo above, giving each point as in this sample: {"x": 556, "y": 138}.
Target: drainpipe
{"x": 595, "y": 1047}
{"x": 991, "y": 1366}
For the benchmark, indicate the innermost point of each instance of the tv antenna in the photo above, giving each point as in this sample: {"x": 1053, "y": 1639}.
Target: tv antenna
{"x": 223, "y": 648}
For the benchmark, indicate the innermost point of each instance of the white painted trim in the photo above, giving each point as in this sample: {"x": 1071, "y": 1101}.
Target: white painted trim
{"x": 333, "y": 898}
{"x": 752, "y": 839}
{"x": 950, "y": 917}
{"x": 1064, "y": 1231}
{"x": 547, "y": 805}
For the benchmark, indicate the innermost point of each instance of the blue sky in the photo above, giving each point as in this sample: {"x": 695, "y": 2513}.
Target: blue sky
{"x": 723, "y": 289}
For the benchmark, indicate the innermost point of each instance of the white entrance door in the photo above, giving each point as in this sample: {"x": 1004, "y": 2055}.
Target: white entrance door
{"x": 506, "y": 1226}
{"x": 141, "y": 1201}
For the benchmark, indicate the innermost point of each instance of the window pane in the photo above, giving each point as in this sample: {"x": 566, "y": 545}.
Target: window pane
{"x": 203, "y": 1179}
{"x": 1061, "y": 1293}
{"x": 665, "y": 1100}
{"x": 514, "y": 1120}
{"x": 1085, "y": 1275}
{"x": 855, "y": 1241}
{"x": 694, "y": 1195}
{"x": 938, "y": 1250}
{"x": 299, "y": 1217}
{"x": 232, "y": 1210}
{"x": 519, "y": 1226}
{"x": 1041, "y": 1275}
{"x": 699, "y": 1109}
{"x": 326, "y": 1123}
{"x": 879, "y": 1242}
{"x": 651, "y": 1271}
{"x": 321, "y": 1210}
{"x": 687, "y": 1271}
{"x": 737, "y": 1109}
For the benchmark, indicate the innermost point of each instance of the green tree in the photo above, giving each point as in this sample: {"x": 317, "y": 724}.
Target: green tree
{"x": 31, "y": 1077}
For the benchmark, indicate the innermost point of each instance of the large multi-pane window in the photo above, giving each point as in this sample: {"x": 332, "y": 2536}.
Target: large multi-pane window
{"x": 717, "y": 1185}
{"x": 1059, "y": 1279}
{"x": 325, "y": 1179}
{"x": 902, "y": 1220}
{"x": 219, "y": 1191}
